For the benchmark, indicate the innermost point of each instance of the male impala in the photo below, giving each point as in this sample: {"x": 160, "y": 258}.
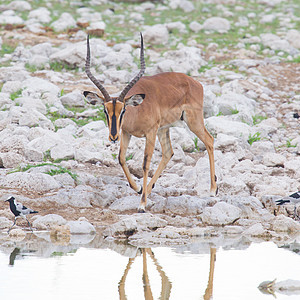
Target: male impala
{"x": 152, "y": 105}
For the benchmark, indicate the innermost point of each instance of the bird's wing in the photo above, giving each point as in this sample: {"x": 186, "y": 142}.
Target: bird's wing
{"x": 20, "y": 207}
{"x": 23, "y": 209}
{"x": 295, "y": 195}
{"x": 282, "y": 201}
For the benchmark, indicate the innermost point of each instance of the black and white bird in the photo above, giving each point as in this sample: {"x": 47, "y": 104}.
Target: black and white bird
{"x": 291, "y": 199}
{"x": 19, "y": 210}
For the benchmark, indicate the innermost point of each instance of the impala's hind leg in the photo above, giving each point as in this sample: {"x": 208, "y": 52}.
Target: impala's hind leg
{"x": 149, "y": 148}
{"x": 196, "y": 125}
{"x": 167, "y": 153}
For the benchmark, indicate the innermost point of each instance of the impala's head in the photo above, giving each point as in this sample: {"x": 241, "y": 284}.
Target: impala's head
{"x": 114, "y": 107}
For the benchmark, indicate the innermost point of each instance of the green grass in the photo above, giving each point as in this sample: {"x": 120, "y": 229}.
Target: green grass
{"x": 16, "y": 94}
{"x": 254, "y": 138}
{"x": 58, "y": 169}
{"x": 196, "y": 140}
{"x": 257, "y": 119}
{"x": 234, "y": 111}
{"x": 53, "y": 116}
{"x": 289, "y": 144}
{"x": 6, "y": 49}
{"x": 129, "y": 157}
{"x": 61, "y": 170}
{"x": 59, "y": 67}
{"x": 296, "y": 60}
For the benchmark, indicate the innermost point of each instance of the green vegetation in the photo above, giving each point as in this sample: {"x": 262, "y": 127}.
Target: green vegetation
{"x": 234, "y": 111}
{"x": 61, "y": 170}
{"x": 254, "y": 138}
{"x": 257, "y": 119}
{"x": 289, "y": 144}
{"x": 58, "y": 67}
{"x": 129, "y": 157}
{"x": 6, "y": 49}
{"x": 16, "y": 94}
{"x": 53, "y": 116}
{"x": 196, "y": 144}
{"x": 55, "y": 171}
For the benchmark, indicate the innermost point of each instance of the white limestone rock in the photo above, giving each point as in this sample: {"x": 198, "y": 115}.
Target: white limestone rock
{"x": 62, "y": 151}
{"x": 293, "y": 37}
{"x": 37, "y": 86}
{"x": 137, "y": 222}
{"x": 255, "y": 230}
{"x": 80, "y": 197}
{"x": 195, "y": 26}
{"x": 19, "y": 5}
{"x": 31, "y": 183}
{"x": 221, "y": 213}
{"x": 41, "y": 14}
{"x": 5, "y": 223}
{"x": 231, "y": 102}
{"x": 275, "y": 42}
{"x": 224, "y": 125}
{"x": 216, "y": 24}
{"x": 10, "y": 160}
{"x": 285, "y": 224}
{"x": 81, "y": 227}
{"x": 73, "y": 99}
{"x": 273, "y": 159}
{"x": 48, "y": 222}
{"x": 182, "y": 205}
{"x": 11, "y": 86}
{"x": 128, "y": 203}
{"x": 64, "y": 22}
{"x": 72, "y": 54}
{"x": 156, "y": 34}
{"x": 9, "y": 17}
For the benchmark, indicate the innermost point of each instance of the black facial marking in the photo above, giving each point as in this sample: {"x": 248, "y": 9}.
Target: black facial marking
{"x": 122, "y": 115}
{"x": 113, "y": 129}
{"x": 106, "y": 114}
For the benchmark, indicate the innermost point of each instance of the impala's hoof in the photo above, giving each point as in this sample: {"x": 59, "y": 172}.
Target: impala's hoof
{"x": 214, "y": 193}
{"x": 141, "y": 209}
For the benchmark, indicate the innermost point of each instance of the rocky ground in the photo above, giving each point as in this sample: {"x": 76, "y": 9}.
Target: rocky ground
{"x": 55, "y": 156}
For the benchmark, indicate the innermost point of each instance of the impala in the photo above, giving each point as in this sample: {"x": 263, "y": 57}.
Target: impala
{"x": 147, "y": 107}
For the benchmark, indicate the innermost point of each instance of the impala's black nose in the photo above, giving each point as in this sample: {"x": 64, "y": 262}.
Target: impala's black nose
{"x": 114, "y": 139}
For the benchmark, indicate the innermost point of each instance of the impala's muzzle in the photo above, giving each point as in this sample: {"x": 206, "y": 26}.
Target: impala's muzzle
{"x": 114, "y": 140}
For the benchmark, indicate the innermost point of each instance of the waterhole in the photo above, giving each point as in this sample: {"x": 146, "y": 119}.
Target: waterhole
{"x": 88, "y": 267}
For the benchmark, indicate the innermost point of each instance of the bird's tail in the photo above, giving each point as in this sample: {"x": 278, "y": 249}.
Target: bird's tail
{"x": 281, "y": 201}
{"x": 34, "y": 212}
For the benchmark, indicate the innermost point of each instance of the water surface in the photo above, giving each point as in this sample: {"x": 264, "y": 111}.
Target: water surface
{"x": 87, "y": 267}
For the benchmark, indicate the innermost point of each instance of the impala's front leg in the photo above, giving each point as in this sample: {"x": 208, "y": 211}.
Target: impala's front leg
{"x": 124, "y": 142}
{"x": 149, "y": 148}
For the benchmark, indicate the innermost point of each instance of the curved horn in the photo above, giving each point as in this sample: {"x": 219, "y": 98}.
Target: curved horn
{"x": 138, "y": 76}
{"x": 89, "y": 74}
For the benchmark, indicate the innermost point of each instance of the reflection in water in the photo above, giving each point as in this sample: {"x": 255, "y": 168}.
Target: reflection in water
{"x": 267, "y": 287}
{"x": 13, "y": 256}
{"x": 209, "y": 289}
{"x": 157, "y": 273}
{"x": 166, "y": 285}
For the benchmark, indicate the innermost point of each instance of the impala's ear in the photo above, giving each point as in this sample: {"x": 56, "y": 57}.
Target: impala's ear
{"x": 134, "y": 100}
{"x": 93, "y": 98}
